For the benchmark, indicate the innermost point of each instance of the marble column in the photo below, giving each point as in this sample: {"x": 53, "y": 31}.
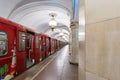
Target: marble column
{"x": 74, "y": 42}
{"x": 70, "y": 41}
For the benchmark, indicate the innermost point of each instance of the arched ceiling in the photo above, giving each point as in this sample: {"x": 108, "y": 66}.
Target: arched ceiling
{"x": 35, "y": 14}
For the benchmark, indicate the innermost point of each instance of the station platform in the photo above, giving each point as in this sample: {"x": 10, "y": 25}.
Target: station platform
{"x": 55, "y": 67}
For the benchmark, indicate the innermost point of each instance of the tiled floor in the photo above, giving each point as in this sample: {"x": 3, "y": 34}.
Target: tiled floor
{"x": 55, "y": 67}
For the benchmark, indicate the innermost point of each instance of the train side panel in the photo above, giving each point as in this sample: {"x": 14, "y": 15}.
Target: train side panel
{"x": 38, "y": 53}
{"x": 20, "y": 48}
{"x": 7, "y": 51}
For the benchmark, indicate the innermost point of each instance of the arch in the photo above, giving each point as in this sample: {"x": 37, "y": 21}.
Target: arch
{"x": 29, "y": 4}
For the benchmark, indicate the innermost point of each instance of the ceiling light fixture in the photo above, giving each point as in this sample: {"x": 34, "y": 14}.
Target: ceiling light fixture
{"x": 52, "y": 22}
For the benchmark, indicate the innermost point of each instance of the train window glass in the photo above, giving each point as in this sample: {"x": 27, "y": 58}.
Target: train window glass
{"x": 37, "y": 43}
{"x": 52, "y": 43}
{"x": 47, "y": 43}
{"x": 22, "y": 40}
{"x": 42, "y": 44}
{"x": 3, "y": 43}
{"x": 28, "y": 41}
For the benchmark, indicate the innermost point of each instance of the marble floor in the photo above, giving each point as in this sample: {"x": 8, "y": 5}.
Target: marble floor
{"x": 55, "y": 67}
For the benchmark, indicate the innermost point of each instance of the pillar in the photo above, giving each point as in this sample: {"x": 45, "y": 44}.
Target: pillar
{"x": 70, "y": 41}
{"x": 74, "y": 42}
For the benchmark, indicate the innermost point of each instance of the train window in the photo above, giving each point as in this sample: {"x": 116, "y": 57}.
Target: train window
{"x": 3, "y": 43}
{"x": 37, "y": 42}
{"x": 52, "y": 44}
{"x": 22, "y": 40}
{"x": 47, "y": 42}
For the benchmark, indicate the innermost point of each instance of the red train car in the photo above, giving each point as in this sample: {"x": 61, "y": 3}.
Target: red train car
{"x": 17, "y": 48}
{"x": 12, "y": 45}
{"x": 22, "y": 47}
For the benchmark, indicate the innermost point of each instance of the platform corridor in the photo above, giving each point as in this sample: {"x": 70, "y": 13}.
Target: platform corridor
{"x": 55, "y": 67}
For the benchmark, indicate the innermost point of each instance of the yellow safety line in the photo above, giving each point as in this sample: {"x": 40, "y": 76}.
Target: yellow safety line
{"x": 42, "y": 68}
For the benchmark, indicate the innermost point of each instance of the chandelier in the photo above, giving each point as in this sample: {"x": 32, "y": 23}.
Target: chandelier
{"x": 61, "y": 34}
{"x": 52, "y": 22}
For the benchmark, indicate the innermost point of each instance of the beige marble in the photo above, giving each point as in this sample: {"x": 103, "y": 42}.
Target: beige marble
{"x": 82, "y": 60}
{"x": 82, "y": 75}
{"x": 74, "y": 43}
{"x": 91, "y": 76}
{"x": 103, "y": 49}
{"x": 102, "y": 41}
{"x": 99, "y": 10}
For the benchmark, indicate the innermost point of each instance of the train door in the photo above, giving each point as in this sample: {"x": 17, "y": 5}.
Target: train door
{"x": 54, "y": 45}
{"x": 47, "y": 46}
{"x": 38, "y": 54}
{"x": 40, "y": 47}
{"x": 43, "y": 47}
{"x": 57, "y": 44}
{"x": 30, "y": 49}
{"x": 7, "y": 51}
{"x": 50, "y": 45}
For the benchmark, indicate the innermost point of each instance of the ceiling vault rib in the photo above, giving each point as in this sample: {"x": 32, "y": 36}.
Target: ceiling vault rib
{"x": 39, "y": 3}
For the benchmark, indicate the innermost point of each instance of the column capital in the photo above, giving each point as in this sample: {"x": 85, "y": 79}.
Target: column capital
{"x": 73, "y": 24}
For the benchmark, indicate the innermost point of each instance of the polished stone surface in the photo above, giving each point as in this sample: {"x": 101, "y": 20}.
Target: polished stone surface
{"x": 74, "y": 44}
{"x": 55, "y": 67}
{"x": 103, "y": 50}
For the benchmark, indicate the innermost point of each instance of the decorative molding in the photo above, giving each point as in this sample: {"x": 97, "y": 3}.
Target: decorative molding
{"x": 74, "y": 24}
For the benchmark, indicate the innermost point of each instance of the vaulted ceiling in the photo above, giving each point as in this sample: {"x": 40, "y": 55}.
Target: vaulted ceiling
{"x": 35, "y": 14}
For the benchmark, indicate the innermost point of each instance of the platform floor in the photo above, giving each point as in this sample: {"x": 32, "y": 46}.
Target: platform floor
{"x": 55, "y": 67}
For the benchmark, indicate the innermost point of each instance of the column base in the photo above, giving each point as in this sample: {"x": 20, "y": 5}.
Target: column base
{"x": 73, "y": 63}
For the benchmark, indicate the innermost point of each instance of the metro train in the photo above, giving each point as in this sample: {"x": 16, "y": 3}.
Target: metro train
{"x": 22, "y": 47}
